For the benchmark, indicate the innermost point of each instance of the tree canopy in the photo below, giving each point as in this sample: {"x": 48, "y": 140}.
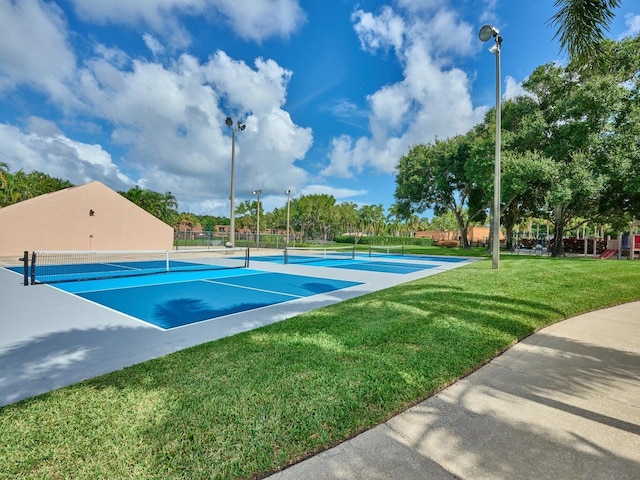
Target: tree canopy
{"x": 570, "y": 149}
{"x": 19, "y": 186}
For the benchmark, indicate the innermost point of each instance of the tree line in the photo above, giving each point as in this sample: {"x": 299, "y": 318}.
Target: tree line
{"x": 570, "y": 150}
{"x": 310, "y": 216}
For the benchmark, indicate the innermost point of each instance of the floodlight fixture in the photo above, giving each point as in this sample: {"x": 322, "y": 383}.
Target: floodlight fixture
{"x": 487, "y": 31}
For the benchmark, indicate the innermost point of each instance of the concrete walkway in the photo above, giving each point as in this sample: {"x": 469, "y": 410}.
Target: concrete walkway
{"x": 562, "y": 404}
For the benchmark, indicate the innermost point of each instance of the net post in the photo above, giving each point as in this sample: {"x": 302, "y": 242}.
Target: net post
{"x": 25, "y": 262}
{"x": 353, "y": 252}
{"x": 33, "y": 268}
{"x": 370, "y": 251}
{"x": 246, "y": 258}
{"x": 286, "y": 255}
{"x": 166, "y": 260}
{"x": 402, "y": 249}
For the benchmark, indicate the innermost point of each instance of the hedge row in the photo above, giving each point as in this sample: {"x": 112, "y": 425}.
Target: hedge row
{"x": 385, "y": 240}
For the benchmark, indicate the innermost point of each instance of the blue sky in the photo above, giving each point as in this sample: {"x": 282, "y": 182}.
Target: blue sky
{"x": 333, "y": 92}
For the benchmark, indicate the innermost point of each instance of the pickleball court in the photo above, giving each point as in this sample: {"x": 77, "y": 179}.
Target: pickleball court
{"x": 176, "y": 299}
{"x": 79, "y": 326}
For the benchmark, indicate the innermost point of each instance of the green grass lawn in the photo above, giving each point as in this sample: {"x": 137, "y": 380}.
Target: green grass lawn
{"x": 435, "y": 250}
{"x": 250, "y": 404}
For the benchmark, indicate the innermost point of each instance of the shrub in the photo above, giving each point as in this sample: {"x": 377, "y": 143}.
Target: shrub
{"x": 385, "y": 240}
{"x": 449, "y": 243}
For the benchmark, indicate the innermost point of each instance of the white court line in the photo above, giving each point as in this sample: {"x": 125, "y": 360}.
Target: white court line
{"x": 257, "y": 289}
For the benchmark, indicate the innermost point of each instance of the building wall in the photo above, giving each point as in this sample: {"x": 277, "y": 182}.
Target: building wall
{"x": 63, "y": 220}
{"x": 474, "y": 234}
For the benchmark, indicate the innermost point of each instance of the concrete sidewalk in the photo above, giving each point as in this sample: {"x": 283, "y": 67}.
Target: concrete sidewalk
{"x": 562, "y": 404}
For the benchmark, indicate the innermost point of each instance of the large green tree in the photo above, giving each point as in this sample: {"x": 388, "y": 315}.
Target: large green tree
{"x": 371, "y": 219}
{"x": 587, "y": 118}
{"x": 526, "y": 174}
{"x": 161, "y": 205}
{"x": 438, "y": 176}
{"x": 347, "y": 218}
{"x": 314, "y": 216}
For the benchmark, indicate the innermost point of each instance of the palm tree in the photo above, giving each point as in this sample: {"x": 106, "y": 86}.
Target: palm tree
{"x": 4, "y": 173}
{"x": 161, "y": 205}
{"x": 581, "y": 26}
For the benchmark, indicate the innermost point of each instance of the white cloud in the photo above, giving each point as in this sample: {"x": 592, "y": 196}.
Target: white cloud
{"x": 153, "y": 45}
{"x": 59, "y": 156}
{"x": 260, "y": 19}
{"x": 632, "y": 23}
{"x": 34, "y": 48}
{"x": 513, "y": 89}
{"x": 170, "y": 120}
{"x": 253, "y": 20}
{"x": 432, "y": 100}
{"x": 381, "y": 31}
{"x": 340, "y": 194}
{"x": 167, "y": 119}
{"x": 248, "y": 89}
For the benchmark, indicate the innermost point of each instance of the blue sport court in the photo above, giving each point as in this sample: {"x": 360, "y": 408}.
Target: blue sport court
{"x": 176, "y": 299}
{"x": 177, "y": 288}
{"x": 349, "y": 259}
{"x": 170, "y": 289}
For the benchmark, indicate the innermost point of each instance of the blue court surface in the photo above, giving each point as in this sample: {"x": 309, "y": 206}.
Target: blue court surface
{"x": 397, "y": 264}
{"x": 173, "y": 300}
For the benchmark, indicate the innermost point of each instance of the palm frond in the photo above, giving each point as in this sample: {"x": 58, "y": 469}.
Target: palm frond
{"x": 582, "y": 25}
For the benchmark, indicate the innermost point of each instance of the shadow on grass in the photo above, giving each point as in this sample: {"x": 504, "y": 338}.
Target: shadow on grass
{"x": 561, "y": 415}
{"x": 533, "y": 428}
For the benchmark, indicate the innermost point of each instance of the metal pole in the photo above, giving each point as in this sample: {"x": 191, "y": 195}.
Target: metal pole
{"x": 232, "y": 220}
{"x": 495, "y": 247}
{"x": 288, "y": 192}
{"x": 25, "y": 267}
{"x": 258, "y": 193}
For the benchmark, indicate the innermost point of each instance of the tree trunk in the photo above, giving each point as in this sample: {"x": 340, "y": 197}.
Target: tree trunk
{"x": 509, "y": 237}
{"x": 558, "y": 233}
{"x": 462, "y": 228}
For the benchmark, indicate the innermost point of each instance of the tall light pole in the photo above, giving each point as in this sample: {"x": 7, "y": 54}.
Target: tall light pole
{"x": 486, "y": 32}
{"x": 288, "y": 192}
{"x": 232, "y": 217}
{"x": 258, "y": 193}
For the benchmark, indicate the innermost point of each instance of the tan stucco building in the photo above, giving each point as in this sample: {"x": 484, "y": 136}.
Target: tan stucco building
{"x": 474, "y": 234}
{"x": 87, "y": 217}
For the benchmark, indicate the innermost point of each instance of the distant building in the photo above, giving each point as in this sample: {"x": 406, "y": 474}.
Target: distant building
{"x": 87, "y": 217}
{"x": 475, "y": 235}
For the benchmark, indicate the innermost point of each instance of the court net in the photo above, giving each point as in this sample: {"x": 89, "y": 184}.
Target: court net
{"x": 318, "y": 254}
{"x": 391, "y": 250}
{"x": 67, "y": 266}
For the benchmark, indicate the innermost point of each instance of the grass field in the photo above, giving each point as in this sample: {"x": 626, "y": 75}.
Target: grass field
{"x": 433, "y": 250}
{"x": 253, "y": 403}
